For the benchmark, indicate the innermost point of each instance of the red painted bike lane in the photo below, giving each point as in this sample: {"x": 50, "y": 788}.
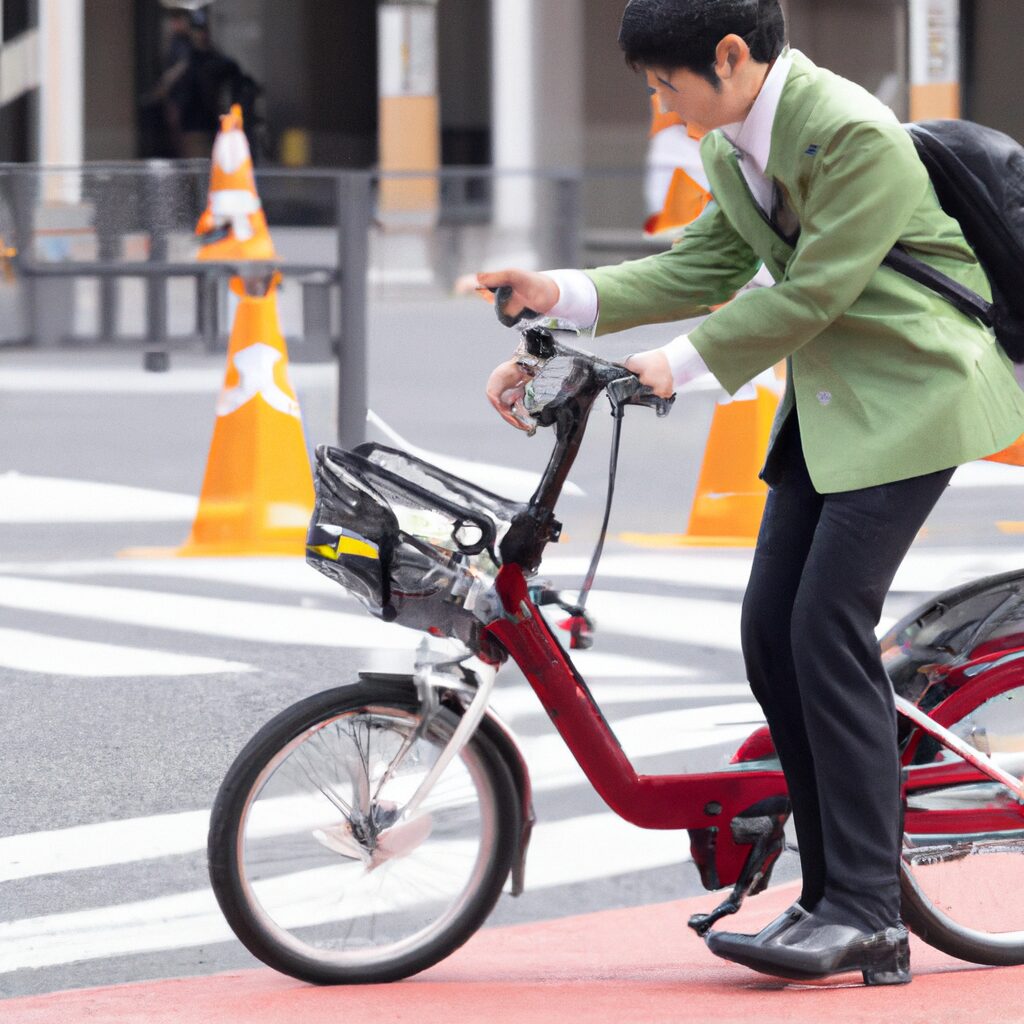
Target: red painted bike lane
{"x": 638, "y": 965}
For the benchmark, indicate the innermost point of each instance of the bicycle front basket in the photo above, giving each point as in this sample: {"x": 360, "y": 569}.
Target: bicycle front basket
{"x": 414, "y": 544}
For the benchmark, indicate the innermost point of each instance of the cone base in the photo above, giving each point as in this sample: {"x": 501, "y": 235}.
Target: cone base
{"x": 684, "y": 540}
{"x": 284, "y": 548}
{"x": 241, "y": 549}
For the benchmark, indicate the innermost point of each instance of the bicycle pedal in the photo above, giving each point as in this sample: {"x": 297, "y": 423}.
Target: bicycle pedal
{"x": 700, "y": 923}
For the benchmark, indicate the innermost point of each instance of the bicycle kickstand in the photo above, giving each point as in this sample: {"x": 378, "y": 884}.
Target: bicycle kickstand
{"x": 762, "y": 826}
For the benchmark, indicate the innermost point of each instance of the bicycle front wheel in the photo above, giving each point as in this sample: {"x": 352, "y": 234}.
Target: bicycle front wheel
{"x": 963, "y": 852}
{"x": 316, "y": 868}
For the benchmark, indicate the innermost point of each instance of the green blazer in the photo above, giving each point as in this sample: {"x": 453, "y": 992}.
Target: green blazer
{"x": 889, "y": 380}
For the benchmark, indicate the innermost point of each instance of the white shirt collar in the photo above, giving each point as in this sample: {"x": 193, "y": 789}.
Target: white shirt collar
{"x": 753, "y": 135}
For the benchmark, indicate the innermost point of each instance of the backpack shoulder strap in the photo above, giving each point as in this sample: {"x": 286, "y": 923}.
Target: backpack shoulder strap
{"x": 967, "y": 301}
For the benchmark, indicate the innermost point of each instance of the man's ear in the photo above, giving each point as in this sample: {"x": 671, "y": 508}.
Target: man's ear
{"x": 731, "y": 54}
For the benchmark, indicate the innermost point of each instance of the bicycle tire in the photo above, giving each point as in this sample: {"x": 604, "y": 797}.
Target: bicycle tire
{"x": 954, "y": 926}
{"x": 374, "y": 707}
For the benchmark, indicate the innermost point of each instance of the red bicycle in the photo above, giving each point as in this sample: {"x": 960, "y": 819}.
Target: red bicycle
{"x": 366, "y": 832}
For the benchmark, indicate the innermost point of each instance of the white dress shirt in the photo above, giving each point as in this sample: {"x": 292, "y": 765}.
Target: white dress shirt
{"x": 752, "y": 137}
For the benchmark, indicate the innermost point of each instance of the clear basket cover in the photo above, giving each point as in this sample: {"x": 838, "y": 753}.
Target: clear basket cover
{"x": 414, "y": 544}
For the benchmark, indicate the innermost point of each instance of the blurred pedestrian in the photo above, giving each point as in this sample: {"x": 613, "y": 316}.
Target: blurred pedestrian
{"x": 213, "y": 82}
{"x": 162, "y": 105}
{"x": 206, "y": 89}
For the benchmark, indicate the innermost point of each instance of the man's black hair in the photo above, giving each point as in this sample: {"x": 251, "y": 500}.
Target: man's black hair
{"x": 670, "y": 34}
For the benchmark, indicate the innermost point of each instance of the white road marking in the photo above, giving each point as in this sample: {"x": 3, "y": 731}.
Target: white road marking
{"x": 552, "y": 766}
{"x": 925, "y": 570}
{"x": 207, "y": 616}
{"x": 120, "y": 380}
{"x": 715, "y": 569}
{"x": 988, "y": 474}
{"x": 38, "y": 652}
{"x": 670, "y": 619}
{"x": 601, "y": 846}
{"x": 38, "y": 499}
{"x": 516, "y": 484}
{"x": 682, "y": 620}
{"x": 520, "y": 702}
{"x": 284, "y": 575}
{"x": 595, "y": 664}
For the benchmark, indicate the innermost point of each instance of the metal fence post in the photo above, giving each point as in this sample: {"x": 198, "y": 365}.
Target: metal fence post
{"x": 108, "y": 199}
{"x": 354, "y": 213}
{"x": 568, "y": 220}
{"x": 23, "y": 202}
{"x": 158, "y": 219}
{"x": 207, "y": 313}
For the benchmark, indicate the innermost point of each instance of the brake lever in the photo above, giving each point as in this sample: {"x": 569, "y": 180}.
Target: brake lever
{"x": 628, "y": 390}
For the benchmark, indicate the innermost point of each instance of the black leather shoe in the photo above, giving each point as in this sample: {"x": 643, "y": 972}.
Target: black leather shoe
{"x": 810, "y": 949}
{"x": 789, "y": 917}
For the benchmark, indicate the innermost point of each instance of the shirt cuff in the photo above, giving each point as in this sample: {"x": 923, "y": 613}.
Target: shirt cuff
{"x": 577, "y": 297}
{"x": 684, "y": 360}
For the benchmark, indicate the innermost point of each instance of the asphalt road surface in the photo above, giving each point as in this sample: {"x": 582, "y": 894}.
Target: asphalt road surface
{"x": 129, "y": 685}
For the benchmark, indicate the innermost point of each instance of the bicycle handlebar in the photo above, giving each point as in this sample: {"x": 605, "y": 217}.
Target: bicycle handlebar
{"x": 560, "y": 374}
{"x": 563, "y": 387}
{"x": 538, "y": 346}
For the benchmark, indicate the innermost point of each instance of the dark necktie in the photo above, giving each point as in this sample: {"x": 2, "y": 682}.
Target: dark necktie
{"x": 782, "y": 215}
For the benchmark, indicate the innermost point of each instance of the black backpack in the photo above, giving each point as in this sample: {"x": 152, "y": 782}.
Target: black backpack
{"x": 978, "y": 174}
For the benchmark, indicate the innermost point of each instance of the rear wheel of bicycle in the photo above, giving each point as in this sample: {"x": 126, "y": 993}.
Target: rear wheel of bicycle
{"x": 310, "y": 858}
{"x": 963, "y": 869}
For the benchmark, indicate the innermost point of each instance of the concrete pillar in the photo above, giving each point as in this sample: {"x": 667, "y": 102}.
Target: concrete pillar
{"x": 934, "y": 59}
{"x": 513, "y": 97}
{"x": 410, "y": 118}
{"x": 537, "y": 103}
{"x": 62, "y": 90}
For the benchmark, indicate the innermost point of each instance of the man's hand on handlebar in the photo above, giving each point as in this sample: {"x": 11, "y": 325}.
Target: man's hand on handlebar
{"x": 653, "y": 370}
{"x": 530, "y": 290}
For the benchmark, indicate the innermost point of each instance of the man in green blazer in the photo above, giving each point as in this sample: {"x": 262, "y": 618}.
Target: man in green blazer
{"x": 889, "y": 389}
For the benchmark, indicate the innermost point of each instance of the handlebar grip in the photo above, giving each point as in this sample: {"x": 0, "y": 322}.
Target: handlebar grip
{"x": 501, "y": 297}
{"x": 627, "y": 390}
{"x": 662, "y": 406}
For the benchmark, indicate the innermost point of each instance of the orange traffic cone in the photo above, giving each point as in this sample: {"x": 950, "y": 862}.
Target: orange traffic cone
{"x": 233, "y": 225}
{"x": 257, "y": 495}
{"x": 730, "y": 498}
{"x": 1012, "y": 456}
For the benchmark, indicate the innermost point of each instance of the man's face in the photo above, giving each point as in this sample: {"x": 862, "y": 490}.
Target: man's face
{"x": 692, "y": 97}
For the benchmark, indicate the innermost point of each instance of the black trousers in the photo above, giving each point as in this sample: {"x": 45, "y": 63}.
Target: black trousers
{"x": 821, "y": 571}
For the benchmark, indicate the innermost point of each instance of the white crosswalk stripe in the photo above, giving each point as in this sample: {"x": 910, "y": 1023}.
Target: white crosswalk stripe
{"x": 131, "y": 597}
{"x": 660, "y": 701}
{"x": 37, "y": 652}
{"x": 602, "y": 845}
{"x": 103, "y": 844}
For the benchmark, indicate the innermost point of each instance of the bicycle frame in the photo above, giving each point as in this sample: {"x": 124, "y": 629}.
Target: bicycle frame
{"x": 706, "y": 801}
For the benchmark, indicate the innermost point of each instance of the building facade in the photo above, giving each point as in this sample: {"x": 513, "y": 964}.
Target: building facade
{"x": 519, "y": 83}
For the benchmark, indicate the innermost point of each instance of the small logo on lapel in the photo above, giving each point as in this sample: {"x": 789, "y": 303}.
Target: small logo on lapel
{"x": 812, "y": 150}
{"x": 824, "y": 397}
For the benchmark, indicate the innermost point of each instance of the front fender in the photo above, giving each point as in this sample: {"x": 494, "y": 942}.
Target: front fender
{"x": 501, "y": 737}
